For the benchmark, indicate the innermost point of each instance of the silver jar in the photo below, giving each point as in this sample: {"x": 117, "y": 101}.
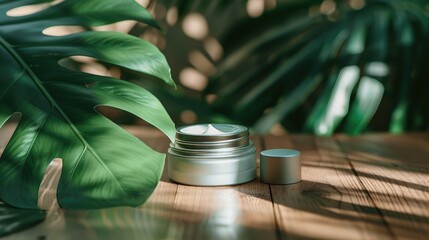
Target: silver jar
{"x": 212, "y": 155}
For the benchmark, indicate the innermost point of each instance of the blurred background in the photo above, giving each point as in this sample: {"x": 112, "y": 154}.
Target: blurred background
{"x": 277, "y": 66}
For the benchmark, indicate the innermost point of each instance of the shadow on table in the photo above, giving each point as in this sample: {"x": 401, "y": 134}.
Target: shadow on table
{"x": 389, "y": 197}
{"x": 328, "y": 201}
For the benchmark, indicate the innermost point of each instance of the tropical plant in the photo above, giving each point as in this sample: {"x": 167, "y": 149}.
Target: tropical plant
{"x": 317, "y": 66}
{"x": 15, "y": 219}
{"x": 324, "y": 66}
{"x": 101, "y": 164}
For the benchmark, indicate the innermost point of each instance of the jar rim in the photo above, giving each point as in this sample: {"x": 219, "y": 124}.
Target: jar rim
{"x": 202, "y": 133}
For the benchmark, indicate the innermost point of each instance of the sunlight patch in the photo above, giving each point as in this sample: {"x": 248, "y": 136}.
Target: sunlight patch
{"x": 7, "y": 129}
{"x": 31, "y": 9}
{"x": 58, "y": 31}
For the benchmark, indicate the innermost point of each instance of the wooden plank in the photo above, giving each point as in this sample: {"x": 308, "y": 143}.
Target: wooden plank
{"x": 329, "y": 202}
{"x": 233, "y": 212}
{"x": 157, "y": 212}
{"x": 395, "y": 170}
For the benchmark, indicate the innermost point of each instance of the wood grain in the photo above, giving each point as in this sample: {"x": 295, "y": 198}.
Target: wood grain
{"x": 395, "y": 171}
{"x": 231, "y": 212}
{"x": 157, "y": 213}
{"x": 367, "y": 187}
{"x": 329, "y": 202}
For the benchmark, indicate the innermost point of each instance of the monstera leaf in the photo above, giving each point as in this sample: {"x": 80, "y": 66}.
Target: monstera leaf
{"x": 15, "y": 219}
{"x": 102, "y": 165}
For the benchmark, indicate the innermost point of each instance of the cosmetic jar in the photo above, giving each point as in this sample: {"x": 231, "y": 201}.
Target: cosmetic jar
{"x": 212, "y": 155}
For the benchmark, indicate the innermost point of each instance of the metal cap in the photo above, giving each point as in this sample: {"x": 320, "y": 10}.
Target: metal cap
{"x": 280, "y": 166}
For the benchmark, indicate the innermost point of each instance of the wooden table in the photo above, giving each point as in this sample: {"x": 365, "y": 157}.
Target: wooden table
{"x": 374, "y": 186}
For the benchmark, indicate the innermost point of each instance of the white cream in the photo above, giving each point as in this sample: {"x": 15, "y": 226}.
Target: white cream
{"x": 212, "y": 131}
{"x": 209, "y": 129}
{"x": 202, "y": 129}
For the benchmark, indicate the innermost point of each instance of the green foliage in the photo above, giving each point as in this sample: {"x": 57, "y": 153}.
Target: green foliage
{"x": 15, "y": 219}
{"x": 325, "y": 66}
{"x": 103, "y": 165}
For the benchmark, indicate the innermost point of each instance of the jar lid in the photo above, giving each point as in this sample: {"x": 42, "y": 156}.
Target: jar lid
{"x": 280, "y": 166}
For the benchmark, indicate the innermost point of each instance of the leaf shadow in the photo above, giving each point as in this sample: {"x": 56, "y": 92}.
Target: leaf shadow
{"x": 375, "y": 197}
